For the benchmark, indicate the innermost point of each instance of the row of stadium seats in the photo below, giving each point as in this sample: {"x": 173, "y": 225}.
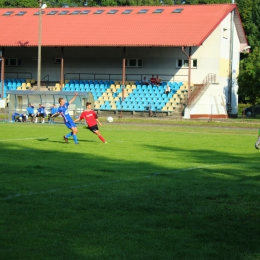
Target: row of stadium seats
{"x": 7, "y": 80}
{"x": 136, "y": 97}
{"x": 139, "y": 98}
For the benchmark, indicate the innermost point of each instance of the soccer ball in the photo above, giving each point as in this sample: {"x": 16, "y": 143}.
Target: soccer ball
{"x": 110, "y": 119}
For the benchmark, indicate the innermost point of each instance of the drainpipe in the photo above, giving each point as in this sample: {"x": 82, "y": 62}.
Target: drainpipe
{"x": 189, "y": 70}
{"x": 123, "y": 82}
{"x": 230, "y": 81}
{"x": 2, "y": 71}
{"x": 62, "y": 68}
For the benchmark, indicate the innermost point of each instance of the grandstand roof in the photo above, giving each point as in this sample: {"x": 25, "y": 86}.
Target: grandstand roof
{"x": 183, "y": 25}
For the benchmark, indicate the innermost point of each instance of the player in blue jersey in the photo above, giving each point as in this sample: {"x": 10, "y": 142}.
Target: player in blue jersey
{"x": 30, "y": 111}
{"x": 54, "y": 110}
{"x": 63, "y": 111}
{"x": 17, "y": 117}
{"x": 41, "y": 112}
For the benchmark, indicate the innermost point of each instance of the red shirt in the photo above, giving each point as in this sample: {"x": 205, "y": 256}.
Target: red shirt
{"x": 90, "y": 116}
{"x": 153, "y": 80}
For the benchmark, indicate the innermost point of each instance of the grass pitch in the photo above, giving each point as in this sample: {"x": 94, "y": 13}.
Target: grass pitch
{"x": 153, "y": 192}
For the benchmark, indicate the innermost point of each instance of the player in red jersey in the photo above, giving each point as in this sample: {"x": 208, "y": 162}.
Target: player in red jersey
{"x": 92, "y": 120}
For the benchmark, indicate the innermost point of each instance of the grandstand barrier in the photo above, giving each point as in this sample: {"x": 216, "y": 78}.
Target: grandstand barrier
{"x": 19, "y": 99}
{"x": 113, "y": 97}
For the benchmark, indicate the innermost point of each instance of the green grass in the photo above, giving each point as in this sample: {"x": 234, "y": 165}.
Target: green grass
{"x": 153, "y": 192}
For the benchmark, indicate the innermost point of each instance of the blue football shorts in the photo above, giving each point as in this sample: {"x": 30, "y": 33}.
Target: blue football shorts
{"x": 70, "y": 124}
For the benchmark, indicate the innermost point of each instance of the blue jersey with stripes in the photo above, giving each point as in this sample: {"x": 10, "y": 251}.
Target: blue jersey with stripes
{"x": 64, "y": 112}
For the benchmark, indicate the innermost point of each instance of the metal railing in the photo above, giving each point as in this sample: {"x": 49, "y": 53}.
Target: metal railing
{"x": 45, "y": 81}
{"x": 128, "y": 77}
{"x": 18, "y": 75}
{"x": 210, "y": 78}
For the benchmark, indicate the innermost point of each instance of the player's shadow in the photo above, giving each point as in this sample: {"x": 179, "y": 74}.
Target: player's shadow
{"x": 87, "y": 141}
{"x": 43, "y": 139}
{"x": 71, "y": 141}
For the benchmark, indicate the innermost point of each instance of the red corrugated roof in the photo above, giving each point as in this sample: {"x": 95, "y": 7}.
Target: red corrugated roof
{"x": 188, "y": 28}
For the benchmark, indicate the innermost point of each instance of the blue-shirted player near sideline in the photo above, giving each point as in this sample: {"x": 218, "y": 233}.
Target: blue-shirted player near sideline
{"x": 17, "y": 117}
{"x": 63, "y": 111}
{"x": 30, "y": 111}
{"x": 54, "y": 110}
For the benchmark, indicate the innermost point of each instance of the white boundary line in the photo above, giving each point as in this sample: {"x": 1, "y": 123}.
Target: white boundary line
{"x": 22, "y": 139}
{"x": 105, "y": 183}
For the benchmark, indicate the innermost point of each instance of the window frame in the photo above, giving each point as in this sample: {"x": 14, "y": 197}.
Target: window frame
{"x": 184, "y": 63}
{"x": 134, "y": 63}
{"x": 9, "y": 62}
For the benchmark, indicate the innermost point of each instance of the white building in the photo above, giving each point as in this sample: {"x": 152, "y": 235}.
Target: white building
{"x": 127, "y": 43}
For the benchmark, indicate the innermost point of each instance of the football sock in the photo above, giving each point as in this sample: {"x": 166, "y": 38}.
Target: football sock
{"x": 69, "y": 135}
{"x": 101, "y": 138}
{"x": 36, "y": 120}
{"x": 75, "y": 138}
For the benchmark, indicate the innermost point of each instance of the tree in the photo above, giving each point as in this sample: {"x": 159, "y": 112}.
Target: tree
{"x": 249, "y": 77}
{"x": 250, "y": 15}
{"x": 16, "y": 3}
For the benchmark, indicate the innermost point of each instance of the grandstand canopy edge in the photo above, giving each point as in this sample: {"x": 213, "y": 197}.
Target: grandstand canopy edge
{"x": 18, "y": 101}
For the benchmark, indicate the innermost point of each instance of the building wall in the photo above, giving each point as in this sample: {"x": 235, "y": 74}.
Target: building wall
{"x": 102, "y": 60}
{"x": 213, "y": 56}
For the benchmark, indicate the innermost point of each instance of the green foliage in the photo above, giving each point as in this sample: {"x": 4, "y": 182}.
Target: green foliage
{"x": 250, "y": 15}
{"x": 249, "y": 77}
{"x": 16, "y": 3}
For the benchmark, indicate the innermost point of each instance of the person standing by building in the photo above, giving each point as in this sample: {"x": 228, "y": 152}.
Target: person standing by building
{"x": 91, "y": 119}
{"x": 145, "y": 81}
{"x": 41, "y": 113}
{"x": 64, "y": 112}
{"x": 153, "y": 80}
{"x": 54, "y": 110}
{"x": 158, "y": 81}
{"x": 30, "y": 112}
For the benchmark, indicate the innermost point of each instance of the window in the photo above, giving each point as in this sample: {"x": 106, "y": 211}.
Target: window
{"x": 21, "y": 13}
{"x": 178, "y": 10}
{"x": 158, "y": 11}
{"x": 39, "y": 13}
{"x": 112, "y": 11}
{"x": 133, "y": 63}
{"x": 99, "y": 11}
{"x": 75, "y": 12}
{"x": 63, "y": 12}
{"x": 143, "y": 11}
{"x": 8, "y": 13}
{"x": 85, "y": 12}
{"x": 185, "y": 64}
{"x": 13, "y": 62}
{"x": 225, "y": 33}
{"x": 127, "y": 11}
{"x": 52, "y": 12}
{"x": 57, "y": 61}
